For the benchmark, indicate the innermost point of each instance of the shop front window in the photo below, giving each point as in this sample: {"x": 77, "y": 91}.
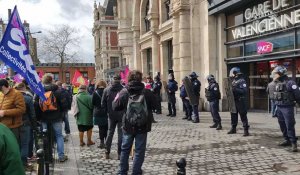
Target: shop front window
{"x": 233, "y": 20}
{"x": 235, "y": 50}
{"x": 280, "y": 43}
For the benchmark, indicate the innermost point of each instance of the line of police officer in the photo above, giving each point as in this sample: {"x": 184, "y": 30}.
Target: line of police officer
{"x": 283, "y": 93}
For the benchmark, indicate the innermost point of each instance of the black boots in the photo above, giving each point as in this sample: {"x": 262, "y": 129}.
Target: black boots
{"x": 214, "y": 125}
{"x": 294, "y": 147}
{"x": 246, "y": 132}
{"x": 219, "y": 127}
{"x": 232, "y": 130}
{"x": 285, "y": 143}
{"x": 185, "y": 118}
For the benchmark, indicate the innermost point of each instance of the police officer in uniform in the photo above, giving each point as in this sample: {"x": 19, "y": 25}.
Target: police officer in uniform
{"x": 186, "y": 103}
{"x": 156, "y": 87}
{"x": 212, "y": 93}
{"x": 172, "y": 87}
{"x": 196, "y": 88}
{"x": 285, "y": 95}
{"x": 239, "y": 89}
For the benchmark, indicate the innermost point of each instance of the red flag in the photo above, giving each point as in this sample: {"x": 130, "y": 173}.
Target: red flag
{"x": 78, "y": 79}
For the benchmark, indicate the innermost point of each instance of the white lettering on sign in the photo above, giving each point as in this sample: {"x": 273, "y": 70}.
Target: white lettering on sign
{"x": 273, "y": 22}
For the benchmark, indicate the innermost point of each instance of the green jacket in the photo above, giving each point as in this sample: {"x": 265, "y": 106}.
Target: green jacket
{"x": 10, "y": 158}
{"x": 85, "y": 106}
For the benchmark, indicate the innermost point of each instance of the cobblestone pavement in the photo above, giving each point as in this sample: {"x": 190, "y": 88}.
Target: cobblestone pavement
{"x": 206, "y": 150}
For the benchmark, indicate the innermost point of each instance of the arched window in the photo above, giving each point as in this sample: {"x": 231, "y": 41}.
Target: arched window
{"x": 98, "y": 16}
{"x": 147, "y": 21}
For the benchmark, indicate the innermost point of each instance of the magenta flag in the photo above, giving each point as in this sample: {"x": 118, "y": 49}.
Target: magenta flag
{"x": 124, "y": 75}
{"x": 18, "y": 78}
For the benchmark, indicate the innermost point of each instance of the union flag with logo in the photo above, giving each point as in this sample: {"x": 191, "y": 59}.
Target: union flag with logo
{"x": 78, "y": 79}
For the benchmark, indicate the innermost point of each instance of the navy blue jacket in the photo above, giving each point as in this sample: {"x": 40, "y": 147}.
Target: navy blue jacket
{"x": 156, "y": 87}
{"x": 183, "y": 93}
{"x": 213, "y": 91}
{"x": 239, "y": 88}
{"x": 172, "y": 86}
{"x": 292, "y": 88}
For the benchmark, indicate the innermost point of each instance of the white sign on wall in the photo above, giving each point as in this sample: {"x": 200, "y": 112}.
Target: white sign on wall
{"x": 272, "y": 22}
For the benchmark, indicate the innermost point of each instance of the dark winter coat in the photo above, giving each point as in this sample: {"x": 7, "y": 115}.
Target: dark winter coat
{"x": 109, "y": 95}
{"x": 183, "y": 93}
{"x": 134, "y": 88}
{"x": 99, "y": 113}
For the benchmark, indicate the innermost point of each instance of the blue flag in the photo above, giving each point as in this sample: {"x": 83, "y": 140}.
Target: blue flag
{"x": 14, "y": 51}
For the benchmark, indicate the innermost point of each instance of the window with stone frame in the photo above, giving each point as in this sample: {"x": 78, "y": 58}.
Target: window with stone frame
{"x": 124, "y": 62}
{"x": 147, "y": 21}
{"x": 149, "y": 61}
{"x": 114, "y": 62}
{"x": 168, "y": 9}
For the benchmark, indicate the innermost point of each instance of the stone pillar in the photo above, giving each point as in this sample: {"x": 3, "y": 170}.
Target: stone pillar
{"x": 136, "y": 50}
{"x": 144, "y": 62}
{"x": 164, "y": 60}
{"x": 184, "y": 44}
{"x": 176, "y": 48}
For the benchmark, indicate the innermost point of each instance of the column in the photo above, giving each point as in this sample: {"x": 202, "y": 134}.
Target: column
{"x": 136, "y": 50}
{"x": 184, "y": 43}
{"x": 176, "y": 48}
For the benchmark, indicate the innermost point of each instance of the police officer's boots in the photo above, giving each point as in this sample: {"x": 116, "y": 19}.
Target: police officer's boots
{"x": 214, "y": 125}
{"x": 246, "y": 132}
{"x": 294, "y": 147}
{"x": 219, "y": 127}
{"x": 232, "y": 130}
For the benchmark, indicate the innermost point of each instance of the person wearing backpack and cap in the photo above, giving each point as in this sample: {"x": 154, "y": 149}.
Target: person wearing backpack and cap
{"x": 137, "y": 101}
{"x": 50, "y": 112}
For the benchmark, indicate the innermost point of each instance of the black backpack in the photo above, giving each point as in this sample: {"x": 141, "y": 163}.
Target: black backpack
{"x": 137, "y": 112}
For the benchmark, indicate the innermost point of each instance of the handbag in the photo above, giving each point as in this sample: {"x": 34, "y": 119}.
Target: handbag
{"x": 74, "y": 107}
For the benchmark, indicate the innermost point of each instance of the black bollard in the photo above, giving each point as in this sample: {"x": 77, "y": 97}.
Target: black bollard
{"x": 181, "y": 164}
{"x": 41, "y": 161}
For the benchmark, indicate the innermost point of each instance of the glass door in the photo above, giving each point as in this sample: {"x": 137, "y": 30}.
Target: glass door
{"x": 258, "y": 82}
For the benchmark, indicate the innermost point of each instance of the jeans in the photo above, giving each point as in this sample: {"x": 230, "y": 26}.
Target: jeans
{"x": 273, "y": 108}
{"x": 139, "y": 153}
{"x": 57, "y": 127}
{"x": 31, "y": 140}
{"x": 25, "y": 138}
{"x": 112, "y": 124}
{"x": 66, "y": 121}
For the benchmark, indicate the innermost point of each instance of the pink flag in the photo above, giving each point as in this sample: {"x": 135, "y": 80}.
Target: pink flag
{"x": 41, "y": 74}
{"x": 124, "y": 75}
{"x": 18, "y": 78}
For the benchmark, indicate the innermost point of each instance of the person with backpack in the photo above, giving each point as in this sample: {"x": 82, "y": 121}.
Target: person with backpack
{"x": 84, "y": 118}
{"x": 29, "y": 122}
{"x": 51, "y": 112}
{"x": 138, "y": 103}
{"x": 114, "y": 117}
{"x": 99, "y": 113}
{"x": 172, "y": 87}
{"x": 67, "y": 97}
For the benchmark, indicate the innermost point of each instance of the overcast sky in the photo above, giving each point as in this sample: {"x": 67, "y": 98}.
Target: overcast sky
{"x": 43, "y": 14}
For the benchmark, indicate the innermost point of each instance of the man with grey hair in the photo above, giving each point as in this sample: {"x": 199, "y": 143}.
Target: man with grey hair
{"x": 52, "y": 115}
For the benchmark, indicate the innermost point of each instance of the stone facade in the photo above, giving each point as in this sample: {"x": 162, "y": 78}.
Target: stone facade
{"x": 108, "y": 55}
{"x": 158, "y": 35}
